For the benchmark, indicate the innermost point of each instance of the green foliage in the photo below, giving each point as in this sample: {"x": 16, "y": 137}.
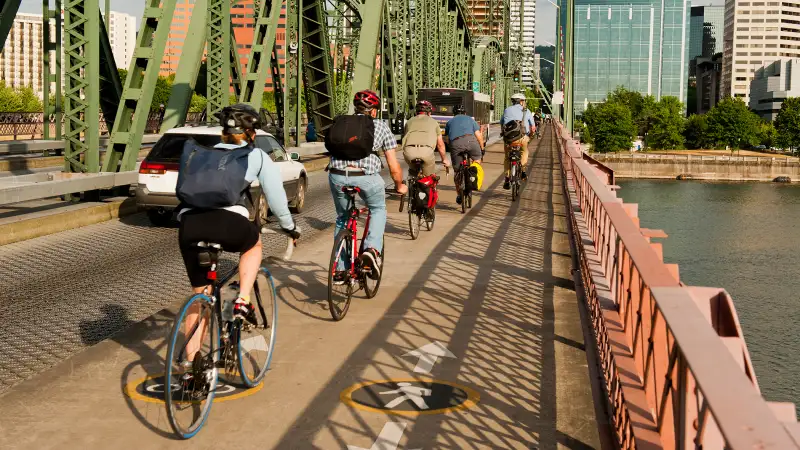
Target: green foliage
{"x": 198, "y": 103}
{"x": 610, "y": 126}
{"x": 666, "y": 124}
{"x": 767, "y": 134}
{"x": 732, "y": 124}
{"x": 696, "y": 132}
{"x": 787, "y": 124}
{"x": 123, "y": 74}
{"x": 18, "y": 99}
{"x": 268, "y": 101}
{"x": 161, "y": 93}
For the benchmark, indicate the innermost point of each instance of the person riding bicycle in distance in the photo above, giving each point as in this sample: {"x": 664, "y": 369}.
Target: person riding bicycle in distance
{"x": 353, "y": 142}
{"x": 518, "y": 112}
{"x": 422, "y": 135}
{"x": 203, "y": 217}
{"x": 464, "y": 136}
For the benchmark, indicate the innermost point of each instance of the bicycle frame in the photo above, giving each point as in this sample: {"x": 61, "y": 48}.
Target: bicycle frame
{"x": 352, "y": 225}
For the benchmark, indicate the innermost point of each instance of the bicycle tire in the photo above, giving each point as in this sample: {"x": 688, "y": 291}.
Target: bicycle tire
{"x": 173, "y": 378}
{"x": 414, "y": 220}
{"x": 463, "y": 191}
{"x": 430, "y": 218}
{"x": 256, "y": 342}
{"x": 513, "y": 182}
{"x": 342, "y": 246}
{"x": 369, "y": 290}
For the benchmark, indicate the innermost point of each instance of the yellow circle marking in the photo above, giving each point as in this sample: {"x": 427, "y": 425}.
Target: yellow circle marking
{"x": 130, "y": 391}
{"x": 473, "y": 397}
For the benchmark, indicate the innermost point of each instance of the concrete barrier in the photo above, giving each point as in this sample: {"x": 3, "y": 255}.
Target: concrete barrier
{"x": 699, "y": 167}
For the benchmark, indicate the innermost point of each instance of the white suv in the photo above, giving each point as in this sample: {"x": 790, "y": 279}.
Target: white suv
{"x": 158, "y": 173}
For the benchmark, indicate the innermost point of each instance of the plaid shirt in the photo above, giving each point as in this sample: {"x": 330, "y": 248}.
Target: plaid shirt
{"x": 384, "y": 139}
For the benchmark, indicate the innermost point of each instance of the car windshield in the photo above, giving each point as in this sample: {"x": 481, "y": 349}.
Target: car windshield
{"x": 170, "y": 146}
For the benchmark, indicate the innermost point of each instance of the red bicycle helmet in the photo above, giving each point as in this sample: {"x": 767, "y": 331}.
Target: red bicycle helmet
{"x": 366, "y": 99}
{"x": 424, "y": 106}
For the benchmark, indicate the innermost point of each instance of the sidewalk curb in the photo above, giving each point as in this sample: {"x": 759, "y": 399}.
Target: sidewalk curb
{"x": 47, "y": 224}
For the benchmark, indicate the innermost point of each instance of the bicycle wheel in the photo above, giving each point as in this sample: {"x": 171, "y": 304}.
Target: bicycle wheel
{"x": 189, "y": 387}
{"x": 414, "y": 220}
{"x": 430, "y": 217}
{"x": 257, "y": 341}
{"x": 513, "y": 181}
{"x": 463, "y": 184}
{"x": 339, "y": 295}
{"x": 371, "y": 286}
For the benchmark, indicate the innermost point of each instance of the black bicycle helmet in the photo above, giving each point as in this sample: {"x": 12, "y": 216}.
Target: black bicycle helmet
{"x": 424, "y": 106}
{"x": 366, "y": 99}
{"x": 235, "y": 119}
{"x": 459, "y": 109}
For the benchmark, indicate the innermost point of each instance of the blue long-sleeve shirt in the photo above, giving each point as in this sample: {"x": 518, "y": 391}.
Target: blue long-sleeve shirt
{"x": 261, "y": 167}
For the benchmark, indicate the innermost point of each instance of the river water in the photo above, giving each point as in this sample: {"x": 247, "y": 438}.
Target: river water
{"x": 744, "y": 237}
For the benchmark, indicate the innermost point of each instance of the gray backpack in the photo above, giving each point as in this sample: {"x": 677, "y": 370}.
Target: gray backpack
{"x": 212, "y": 178}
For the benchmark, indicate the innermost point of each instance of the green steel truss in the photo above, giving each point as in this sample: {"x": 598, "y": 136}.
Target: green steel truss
{"x": 317, "y": 73}
{"x": 137, "y": 94}
{"x": 267, "y": 14}
{"x": 8, "y": 11}
{"x": 110, "y": 86}
{"x": 219, "y": 56}
{"x": 52, "y": 113}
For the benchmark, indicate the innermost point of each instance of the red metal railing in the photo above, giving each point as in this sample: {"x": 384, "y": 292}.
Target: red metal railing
{"x": 676, "y": 369}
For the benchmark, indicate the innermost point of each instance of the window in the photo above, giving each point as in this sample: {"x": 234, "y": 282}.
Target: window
{"x": 741, "y": 70}
{"x": 741, "y": 53}
{"x": 741, "y": 45}
{"x": 740, "y": 20}
{"x": 755, "y": 54}
{"x": 272, "y": 147}
{"x": 742, "y": 28}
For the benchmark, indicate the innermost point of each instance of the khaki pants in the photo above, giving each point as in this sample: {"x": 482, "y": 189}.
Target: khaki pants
{"x": 523, "y": 141}
{"x": 412, "y": 152}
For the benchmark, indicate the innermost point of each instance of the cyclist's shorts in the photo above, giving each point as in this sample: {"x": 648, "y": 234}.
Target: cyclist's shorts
{"x": 233, "y": 231}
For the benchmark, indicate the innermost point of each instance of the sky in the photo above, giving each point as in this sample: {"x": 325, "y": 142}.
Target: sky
{"x": 545, "y": 14}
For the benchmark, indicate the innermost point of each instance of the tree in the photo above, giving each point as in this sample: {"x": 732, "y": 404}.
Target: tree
{"x": 643, "y": 117}
{"x": 162, "y": 91}
{"x": 631, "y": 99}
{"x": 123, "y": 74}
{"x": 9, "y": 100}
{"x": 767, "y": 134}
{"x": 667, "y": 124}
{"x": 610, "y": 126}
{"x": 198, "y": 103}
{"x": 731, "y": 124}
{"x": 30, "y": 102}
{"x": 696, "y": 132}
{"x": 787, "y": 124}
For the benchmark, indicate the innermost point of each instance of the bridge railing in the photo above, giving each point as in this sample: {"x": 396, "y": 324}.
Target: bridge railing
{"x": 676, "y": 370}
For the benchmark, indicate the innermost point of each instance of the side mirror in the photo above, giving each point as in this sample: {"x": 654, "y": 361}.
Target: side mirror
{"x": 294, "y": 156}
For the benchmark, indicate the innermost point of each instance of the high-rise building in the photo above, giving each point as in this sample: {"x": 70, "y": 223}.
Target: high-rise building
{"x": 527, "y": 35}
{"x": 706, "y": 31}
{"x": 756, "y": 34}
{"x": 707, "y": 82}
{"x": 242, "y": 18}
{"x": 488, "y": 17}
{"x": 638, "y": 44}
{"x": 122, "y": 35}
{"x": 21, "y": 56}
{"x": 772, "y": 84}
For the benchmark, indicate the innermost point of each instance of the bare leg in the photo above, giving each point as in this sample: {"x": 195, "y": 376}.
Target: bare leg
{"x": 249, "y": 263}
{"x": 192, "y": 316}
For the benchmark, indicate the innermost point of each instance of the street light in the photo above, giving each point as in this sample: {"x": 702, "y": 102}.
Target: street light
{"x": 553, "y": 3}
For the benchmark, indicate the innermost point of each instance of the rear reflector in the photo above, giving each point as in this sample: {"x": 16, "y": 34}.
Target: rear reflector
{"x": 154, "y": 168}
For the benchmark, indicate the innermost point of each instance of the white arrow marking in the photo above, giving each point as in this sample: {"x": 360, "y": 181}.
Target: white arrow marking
{"x": 428, "y": 355}
{"x": 389, "y": 438}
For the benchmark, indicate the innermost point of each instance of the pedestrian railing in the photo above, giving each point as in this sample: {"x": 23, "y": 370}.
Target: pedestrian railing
{"x": 26, "y": 125}
{"x": 675, "y": 367}
{"x": 766, "y": 159}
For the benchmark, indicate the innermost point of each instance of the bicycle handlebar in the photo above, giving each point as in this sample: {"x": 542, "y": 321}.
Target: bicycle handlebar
{"x": 290, "y": 245}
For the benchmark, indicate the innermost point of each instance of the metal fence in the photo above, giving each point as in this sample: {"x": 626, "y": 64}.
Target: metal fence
{"x": 26, "y": 125}
{"x": 716, "y": 158}
{"x": 676, "y": 370}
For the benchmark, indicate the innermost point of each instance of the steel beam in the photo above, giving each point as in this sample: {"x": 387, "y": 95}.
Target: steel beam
{"x": 389, "y": 80}
{"x": 235, "y": 68}
{"x": 316, "y": 56}
{"x": 219, "y": 55}
{"x": 110, "y": 86}
{"x": 254, "y": 81}
{"x": 82, "y": 53}
{"x": 364, "y": 70}
{"x": 137, "y": 94}
{"x": 8, "y": 11}
{"x": 188, "y": 68}
{"x": 52, "y": 113}
{"x": 291, "y": 105}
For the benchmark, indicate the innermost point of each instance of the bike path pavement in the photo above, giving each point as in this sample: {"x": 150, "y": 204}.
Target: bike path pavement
{"x": 473, "y": 341}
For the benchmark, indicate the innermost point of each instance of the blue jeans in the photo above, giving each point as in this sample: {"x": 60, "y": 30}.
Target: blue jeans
{"x": 373, "y": 194}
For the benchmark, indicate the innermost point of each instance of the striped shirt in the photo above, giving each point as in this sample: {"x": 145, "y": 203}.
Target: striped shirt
{"x": 384, "y": 139}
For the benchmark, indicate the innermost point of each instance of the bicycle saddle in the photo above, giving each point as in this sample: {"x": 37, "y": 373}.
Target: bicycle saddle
{"x": 351, "y": 190}
{"x": 209, "y": 254}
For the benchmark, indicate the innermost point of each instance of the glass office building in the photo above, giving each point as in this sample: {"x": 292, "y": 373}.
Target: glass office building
{"x": 639, "y": 44}
{"x": 706, "y": 28}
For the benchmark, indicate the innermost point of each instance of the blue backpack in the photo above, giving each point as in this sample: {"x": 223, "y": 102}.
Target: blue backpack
{"x": 212, "y": 178}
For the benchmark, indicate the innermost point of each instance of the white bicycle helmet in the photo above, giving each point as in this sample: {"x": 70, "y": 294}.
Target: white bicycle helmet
{"x": 518, "y": 97}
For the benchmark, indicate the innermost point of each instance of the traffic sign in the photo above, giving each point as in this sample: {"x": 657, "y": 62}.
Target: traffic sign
{"x": 558, "y": 98}
{"x": 476, "y": 86}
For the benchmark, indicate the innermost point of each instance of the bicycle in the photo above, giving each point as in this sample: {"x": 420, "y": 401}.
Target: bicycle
{"x": 417, "y": 215}
{"x": 514, "y": 156}
{"x": 219, "y": 341}
{"x": 464, "y": 179}
{"x": 356, "y": 277}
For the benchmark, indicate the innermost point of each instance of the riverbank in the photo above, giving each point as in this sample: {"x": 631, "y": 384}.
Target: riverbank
{"x": 701, "y": 167}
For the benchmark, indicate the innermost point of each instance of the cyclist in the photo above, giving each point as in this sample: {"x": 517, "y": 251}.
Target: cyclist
{"x": 364, "y": 173}
{"x": 517, "y": 111}
{"x": 464, "y": 136}
{"x": 537, "y": 120}
{"x": 422, "y": 135}
{"x": 229, "y": 225}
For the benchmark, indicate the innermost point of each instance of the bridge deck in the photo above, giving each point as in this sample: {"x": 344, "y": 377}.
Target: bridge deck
{"x": 494, "y": 286}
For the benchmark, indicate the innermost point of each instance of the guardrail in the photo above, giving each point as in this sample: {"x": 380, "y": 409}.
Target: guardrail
{"x": 30, "y": 125}
{"x": 670, "y": 157}
{"x": 676, "y": 370}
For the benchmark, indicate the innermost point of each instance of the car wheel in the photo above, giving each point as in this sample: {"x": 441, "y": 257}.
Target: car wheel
{"x": 159, "y": 218}
{"x": 300, "y": 199}
{"x": 262, "y": 211}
